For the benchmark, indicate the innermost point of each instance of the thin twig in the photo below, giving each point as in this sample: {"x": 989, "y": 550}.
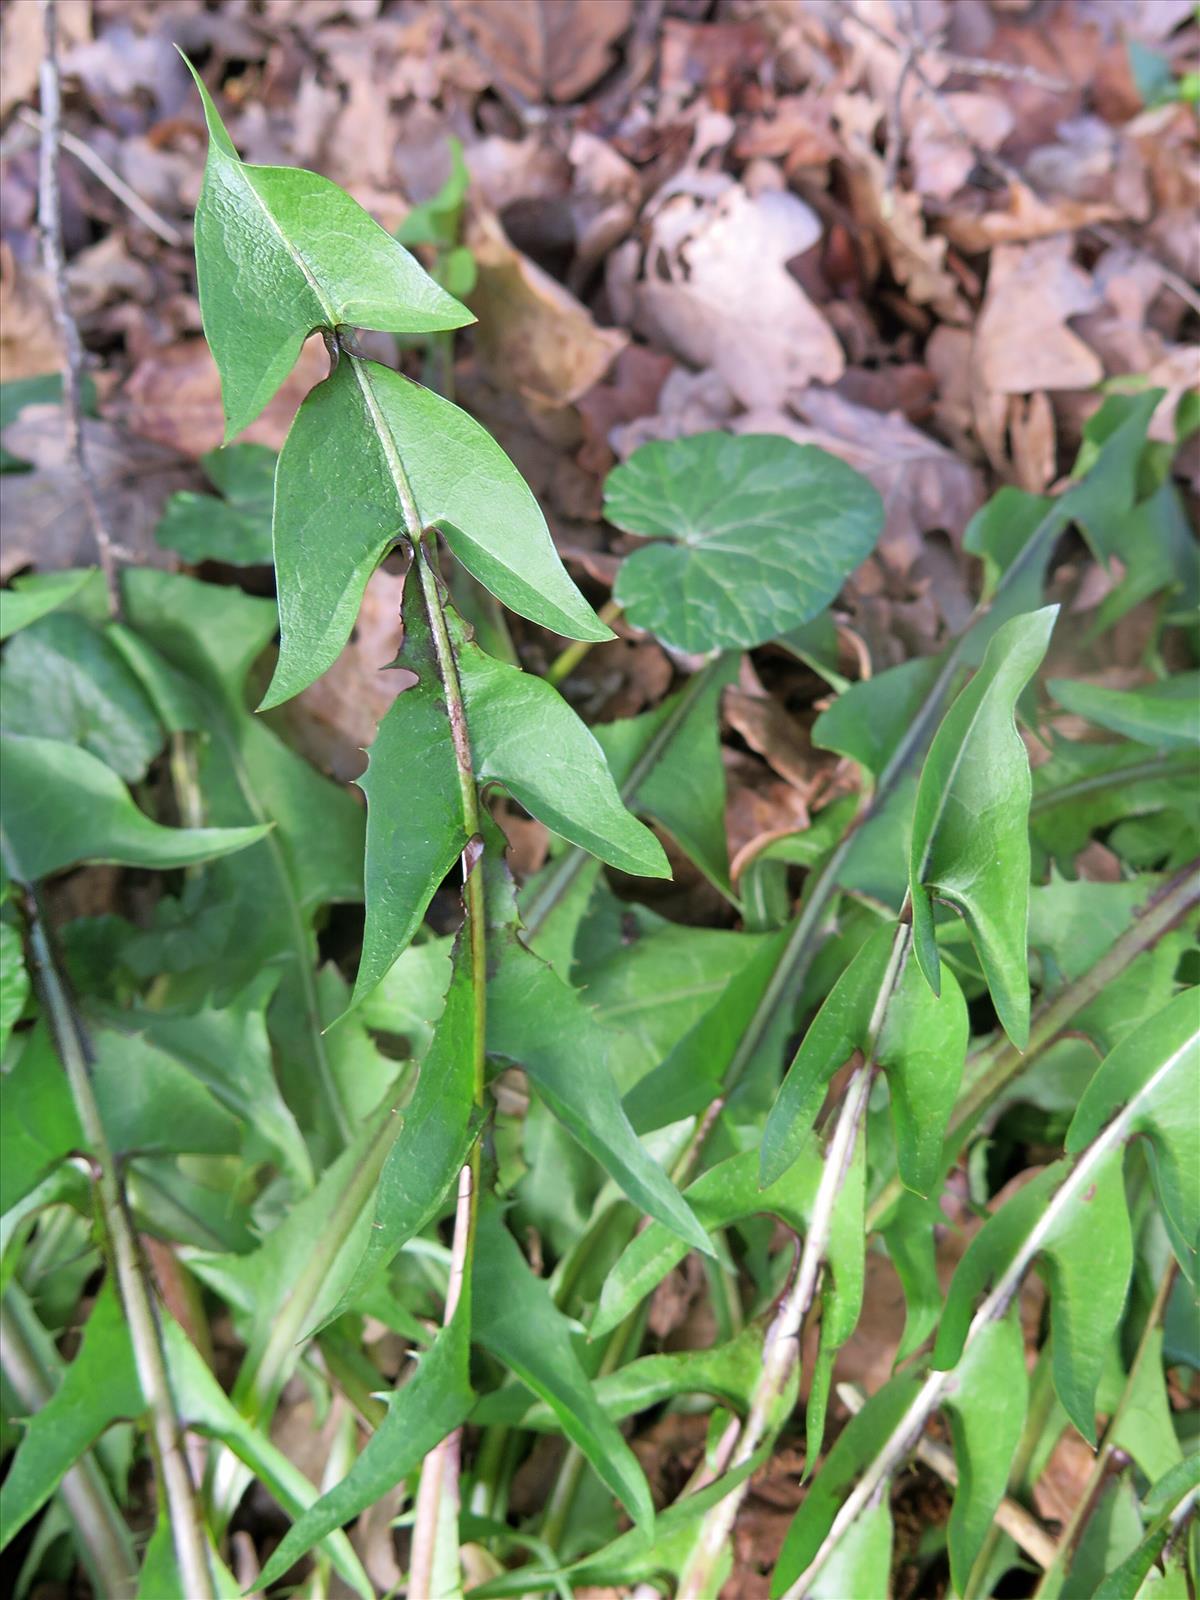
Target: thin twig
{"x": 50, "y": 225}
{"x": 100, "y": 168}
{"x": 1023, "y": 1528}
{"x": 132, "y": 1275}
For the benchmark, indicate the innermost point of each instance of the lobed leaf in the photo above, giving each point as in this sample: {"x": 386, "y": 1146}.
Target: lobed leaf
{"x": 377, "y": 458}
{"x": 754, "y": 535}
{"x": 921, "y": 1047}
{"x": 517, "y": 1321}
{"x": 541, "y": 1024}
{"x": 970, "y": 844}
{"x": 281, "y": 252}
{"x": 63, "y": 806}
{"x": 421, "y": 1413}
{"x": 987, "y": 1399}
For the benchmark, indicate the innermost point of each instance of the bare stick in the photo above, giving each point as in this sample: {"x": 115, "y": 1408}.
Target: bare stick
{"x": 50, "y": 225}
{"x": 112, "y": 181}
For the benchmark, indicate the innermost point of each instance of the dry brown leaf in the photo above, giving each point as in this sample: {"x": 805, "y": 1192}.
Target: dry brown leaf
{"x": 1024, "y": 217}
{"x": 545, "y": 49}
{"x": 768, "y": 728}
{"x": 533, "y": 336}
{"x": 917, "y": 257}
{"x": 941, "y": 157}
{"x": 46, "y": 524}
{"x": 1022, "y": 341}
{"x": 173, "y": 396}
{"x": 28, "y": 336}
{"x": 695, "y": 295}
{"x": 631, "y": 390}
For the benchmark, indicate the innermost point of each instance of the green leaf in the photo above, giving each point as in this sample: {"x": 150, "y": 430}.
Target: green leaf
{"x": 516, "y": 1320}
{"x": 150, "y": 1104}
{"x": 525, "y": 736}
{"x": 986, "y": 1399}
{"x": 415, "y": 825}
{"x": 160, "y": 1578}
{"x": 667, "y": 765}
{"x": 62, "y": 679}
{"x": 233, "y": 526}
{"x": 437, "y": 220}
{"x": 372, "y": 458}
{"x": 921, "y": 1047}
{"x": 862, "y": 1562}
{"x": 754, "y": 535}
{"x": 38, "y": 1118}
{"x": 868, "y": 721}
{"x": 98, "y": 1386}
{"x": 725, "y": 1194}
{"x": 435, "y": 1137}
{"x": 1086, "y": 1252}
{"x": 857, "y": 1443}
{"x": 227, "y": 1050}
{"x": 63, "y": 806}
{"x": 1151, "y": 1078}
{"x": 242, "y": 916}
{"x": 728, "y": 1372}
{"x": 281, "y": 252}
{"x": 970, "y": 843}
{"x": 14, "y": 985}
{"x": 1166, "y": 715}
{"x": 539, "y": 1023}
{"x": 690, "y": 1074}
{"x": 421, "y": 1413}
{"x": 36, "y": 595}
{"x": 1012, "y": 529}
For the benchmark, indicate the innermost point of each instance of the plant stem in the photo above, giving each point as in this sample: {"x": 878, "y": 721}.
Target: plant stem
{"x": 132, "y": 1277}
{"x": 50, "y": 224}
{"x": 1000, "y": 1062}
{"x": 96, "y": 1523}
{"x": 567, "y": 660}
{"x": 1055, "y": 1574}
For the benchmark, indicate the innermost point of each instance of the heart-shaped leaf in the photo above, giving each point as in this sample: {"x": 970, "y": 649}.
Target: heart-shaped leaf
{"x": 281, "y": 252}
{"x": 754, "y": 533}
{"x": 372, "y": 458}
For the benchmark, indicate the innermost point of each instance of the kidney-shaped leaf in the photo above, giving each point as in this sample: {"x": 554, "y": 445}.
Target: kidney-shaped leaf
{"x": 372, "y": 457}
{"x": 63, "y": 806}
{"x": 280, "y": 252}
{"x": 754, "y": 534}
{"x": 970, "y": 842}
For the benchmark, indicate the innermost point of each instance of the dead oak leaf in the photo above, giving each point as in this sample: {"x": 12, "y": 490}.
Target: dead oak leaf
{"x": 695, "y": 295}
{"x": 1022, "y": 342}
{"x": 546, "y": 49}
